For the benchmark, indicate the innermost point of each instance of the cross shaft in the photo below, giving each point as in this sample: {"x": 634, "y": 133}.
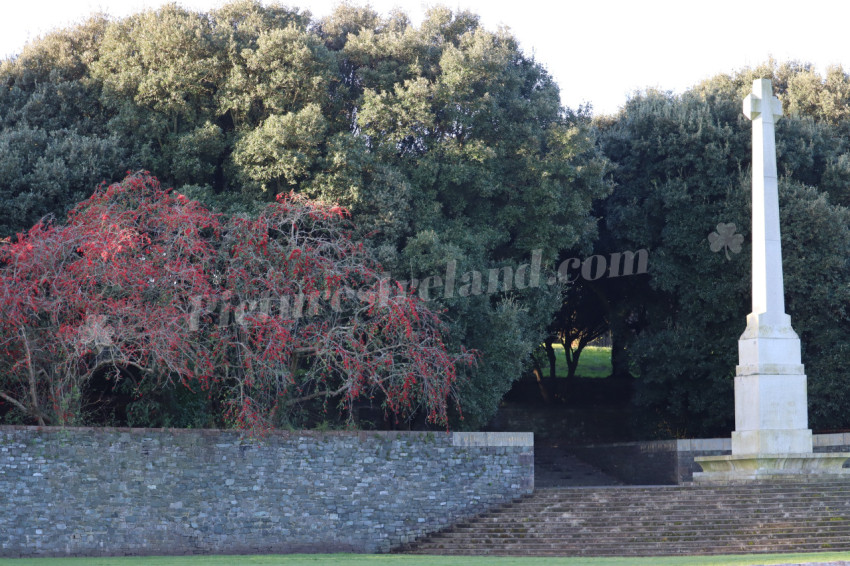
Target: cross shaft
{"x": 768, "y": 294}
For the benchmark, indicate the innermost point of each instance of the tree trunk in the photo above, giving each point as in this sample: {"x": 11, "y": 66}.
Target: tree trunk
{"x": 33, "y": 386}
{"x": 550, "y": 354}
{"x": 544, "y": 392}
{"x": 619, "y": 354}
{"x": 572, "y": 359}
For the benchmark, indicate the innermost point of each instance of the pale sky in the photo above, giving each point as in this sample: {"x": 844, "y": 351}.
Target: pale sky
{"x": 598, "y": 51}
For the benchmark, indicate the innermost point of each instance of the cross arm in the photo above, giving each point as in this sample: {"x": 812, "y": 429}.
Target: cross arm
{"x": 754, "y": 104}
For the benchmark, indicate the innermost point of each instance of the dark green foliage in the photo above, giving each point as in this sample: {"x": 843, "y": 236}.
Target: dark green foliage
{"x": 812, "y": 142}
{"x": 172, "y": 406}
{"x": 683, "y": 168}
{"x": 54, "y": 144}
{"x": 445, "y": 141}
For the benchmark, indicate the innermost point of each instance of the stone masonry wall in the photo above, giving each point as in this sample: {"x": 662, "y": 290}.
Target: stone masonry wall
{"x": 670, "y": 462}
{"x": 86, "y": 491}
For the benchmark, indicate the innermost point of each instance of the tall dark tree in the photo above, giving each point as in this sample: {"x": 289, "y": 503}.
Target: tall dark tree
{"x": 682, "y": 174}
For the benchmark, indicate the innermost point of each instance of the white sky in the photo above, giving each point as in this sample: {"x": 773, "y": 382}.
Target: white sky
{"x": 599, "y": 51}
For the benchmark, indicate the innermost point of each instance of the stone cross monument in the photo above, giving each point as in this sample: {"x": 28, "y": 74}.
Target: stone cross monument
{"x": 771, "y": 438}
{"x": 771, "y": 415}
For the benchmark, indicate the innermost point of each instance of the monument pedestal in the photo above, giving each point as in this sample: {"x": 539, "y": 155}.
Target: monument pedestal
{"x": 772, "y": 467}
{"x": 771, "y": 441}
{"x": 771, "y": 412}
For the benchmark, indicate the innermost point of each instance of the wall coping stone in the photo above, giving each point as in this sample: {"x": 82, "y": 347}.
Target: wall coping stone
{"x": 699, "y": 444}
{"x": 493, "y": 439}
{"x": 484, "y": 439}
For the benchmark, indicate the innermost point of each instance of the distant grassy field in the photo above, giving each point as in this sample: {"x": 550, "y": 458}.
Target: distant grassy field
{"x": 595, "y": 361}
{"x": 393, "y": 560}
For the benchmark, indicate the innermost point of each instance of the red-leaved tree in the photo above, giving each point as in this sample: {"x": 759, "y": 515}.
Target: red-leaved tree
{"x": 109, "y": 290}
{"x": 274, "y": 310}
{"x": 305, "y": 313}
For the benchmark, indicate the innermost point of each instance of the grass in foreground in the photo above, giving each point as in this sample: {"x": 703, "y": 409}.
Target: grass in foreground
{"x": 404, "y": 560}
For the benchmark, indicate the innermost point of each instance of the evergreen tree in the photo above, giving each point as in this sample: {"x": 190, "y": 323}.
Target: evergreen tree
{"x": 446, "y": 142}
{"x": 683, "y": 169}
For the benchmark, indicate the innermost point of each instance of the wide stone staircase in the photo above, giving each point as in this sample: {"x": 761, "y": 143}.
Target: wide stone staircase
{"x": 656, "y": 521}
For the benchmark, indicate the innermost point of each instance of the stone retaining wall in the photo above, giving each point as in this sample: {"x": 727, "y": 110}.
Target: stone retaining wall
{"x": 88, "y": 491}
{"x": 670, "y": 462}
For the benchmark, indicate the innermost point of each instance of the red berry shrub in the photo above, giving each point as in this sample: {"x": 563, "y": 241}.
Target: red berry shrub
{"x": 274, "y": 310}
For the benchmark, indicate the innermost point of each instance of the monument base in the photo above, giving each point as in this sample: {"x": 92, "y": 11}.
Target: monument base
{"x": 772, "y": 441}
{"x": 772, "y": 467}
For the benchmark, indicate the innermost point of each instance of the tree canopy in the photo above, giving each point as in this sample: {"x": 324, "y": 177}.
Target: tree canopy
{"x": 446, "y": 142}
{"x": 683, "y": 169}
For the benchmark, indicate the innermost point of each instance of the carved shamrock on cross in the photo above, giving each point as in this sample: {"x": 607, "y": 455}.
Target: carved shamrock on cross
{"x": 726, "y": 239}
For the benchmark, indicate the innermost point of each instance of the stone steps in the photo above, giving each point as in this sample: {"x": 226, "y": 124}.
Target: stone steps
{"x": 649, "y": 519}
{"x": 546, "y": 529}
{"x": 633, "y": 548}
{"x": 644, "y": 551}
{"x": 621, "y": 537}
{"x": 641, "y": 517}
{"x": 626, "y": 508}
{"x": 645, "y": 521}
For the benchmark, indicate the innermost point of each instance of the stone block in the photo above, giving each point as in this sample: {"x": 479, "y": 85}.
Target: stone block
{"x": 770, "y": 401}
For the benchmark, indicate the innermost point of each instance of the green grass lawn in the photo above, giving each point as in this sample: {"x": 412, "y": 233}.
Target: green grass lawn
{"x": 393, "y": 560}
{"x": 595, "y": 361}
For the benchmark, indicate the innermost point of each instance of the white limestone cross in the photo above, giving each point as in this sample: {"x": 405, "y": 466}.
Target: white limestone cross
{"x": 764, "y": 109}
{"x": 771, "y": 414}
{"x": 771, "y": 438}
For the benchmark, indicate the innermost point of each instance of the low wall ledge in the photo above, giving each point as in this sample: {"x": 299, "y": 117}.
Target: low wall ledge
{"x": 493, "y": 439}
